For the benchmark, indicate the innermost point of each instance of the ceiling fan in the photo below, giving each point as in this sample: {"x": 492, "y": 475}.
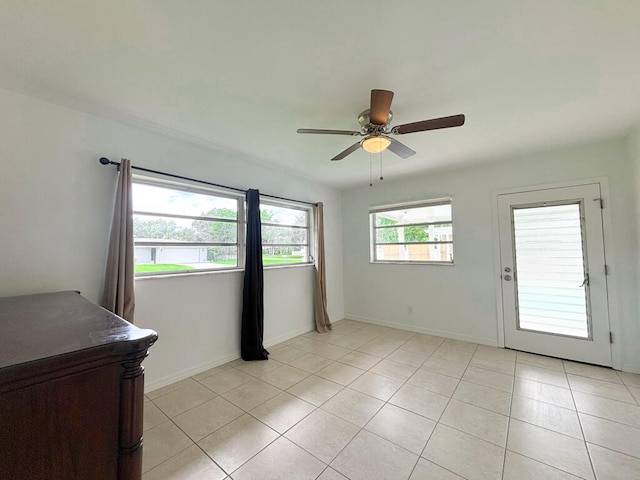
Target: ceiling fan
{"x": 376, "y": 131}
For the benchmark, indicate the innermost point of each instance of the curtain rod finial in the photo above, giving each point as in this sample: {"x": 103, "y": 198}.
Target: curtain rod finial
{"x": 104, "y": 161}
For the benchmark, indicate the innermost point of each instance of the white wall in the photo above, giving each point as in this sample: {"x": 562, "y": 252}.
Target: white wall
{"x": 460, "y": 301}
{"x": 634, "y": 151}
{"x": 55, "y": 211}
{"x": 199, "y": 324}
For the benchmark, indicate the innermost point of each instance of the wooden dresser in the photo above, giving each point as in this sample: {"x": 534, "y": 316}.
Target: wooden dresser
{"x": 71, "y": 390}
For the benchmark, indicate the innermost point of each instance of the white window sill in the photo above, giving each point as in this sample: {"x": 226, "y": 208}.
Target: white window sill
{"x": 398, "y": 262}
{"x": 216, "y": 272}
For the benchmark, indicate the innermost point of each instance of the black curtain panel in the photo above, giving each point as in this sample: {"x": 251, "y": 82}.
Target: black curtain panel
{"x": 252, "y": 298}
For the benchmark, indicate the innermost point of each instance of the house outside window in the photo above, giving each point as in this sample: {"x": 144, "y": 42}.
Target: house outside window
{"x": 416, "y": 232}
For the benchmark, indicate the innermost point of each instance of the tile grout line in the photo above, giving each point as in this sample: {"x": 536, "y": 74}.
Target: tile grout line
{"x": 506, "y": 440}
{"x": 438, "y": 421}
{"x": 404, "y": 382}
{"x": 327, "y": 465}
{"x": 386, "y": 402}
{"x": 537, "y": 460}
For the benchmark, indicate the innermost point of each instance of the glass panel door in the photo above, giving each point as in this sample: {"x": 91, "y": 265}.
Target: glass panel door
{"x": 554, "y": 285}
{"x": 551, "y": 272}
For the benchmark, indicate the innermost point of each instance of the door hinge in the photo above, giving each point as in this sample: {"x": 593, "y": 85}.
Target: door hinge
{"x": 606, "y": 269}
{"x": 610, "y": 337}
{"x": 601, "y": 202}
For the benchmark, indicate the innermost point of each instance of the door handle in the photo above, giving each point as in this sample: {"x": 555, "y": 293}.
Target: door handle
{"x": 586, "y": 281}
{"x": 507, "y": 277}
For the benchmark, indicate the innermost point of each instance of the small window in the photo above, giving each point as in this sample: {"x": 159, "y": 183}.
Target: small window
{"x": 285, "y": 233}
{"x": 418, "y": 232}
{"x": 179, "y": 228}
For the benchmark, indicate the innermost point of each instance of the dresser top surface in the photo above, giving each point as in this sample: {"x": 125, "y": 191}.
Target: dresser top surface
{"x": 35, "y": 327}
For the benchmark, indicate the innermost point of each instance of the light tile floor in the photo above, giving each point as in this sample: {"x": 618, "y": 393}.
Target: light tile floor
{"x": 366, "y": 402}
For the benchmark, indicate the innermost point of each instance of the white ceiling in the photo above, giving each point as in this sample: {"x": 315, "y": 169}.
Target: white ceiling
{"x": 243, "y": 75}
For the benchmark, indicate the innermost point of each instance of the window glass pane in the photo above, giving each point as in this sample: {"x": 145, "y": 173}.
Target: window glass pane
{"x": 415, "y": 233}
{"x": 150, "y": 259}
{"x": 272, "y": 234}
{"x": 410, "y": 228}
{"x": 283, "y": 215}
{"x": 425, "y": 214}
{"x": 415, "y": 253}
{"x": 550, "y": 270}
{"x": 284, "y": 243}
{"x": 283, "y": 255}
{"x": 147, "y": 227}
{"x": 157, "y": 199}
{"x": 215, "y": 232}
{"x": 165, "y": 244}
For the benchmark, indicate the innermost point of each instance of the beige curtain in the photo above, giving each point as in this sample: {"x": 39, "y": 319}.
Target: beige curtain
{"x": 323, "y": 324}
{"x": 119, "y": 296}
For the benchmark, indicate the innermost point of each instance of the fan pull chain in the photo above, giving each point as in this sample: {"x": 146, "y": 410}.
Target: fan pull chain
{"x": 381, "y": 177}
{"x": 370, "y": 170}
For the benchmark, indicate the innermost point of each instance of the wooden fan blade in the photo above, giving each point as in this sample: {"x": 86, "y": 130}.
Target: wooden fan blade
{"x": 346, "y": 152}
{"x": 400, "y": 149}
{"x": 380, "y": 106}
{"x": 433, "y": 124}
{"x": 352, "y": 133}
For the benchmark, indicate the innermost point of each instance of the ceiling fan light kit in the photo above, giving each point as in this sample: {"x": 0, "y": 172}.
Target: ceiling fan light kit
{"x": 375, "y": 144}
{"x": 375, "y": 128}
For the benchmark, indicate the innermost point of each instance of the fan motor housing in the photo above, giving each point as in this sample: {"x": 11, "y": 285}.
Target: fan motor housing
{"x": 365, "y": 121}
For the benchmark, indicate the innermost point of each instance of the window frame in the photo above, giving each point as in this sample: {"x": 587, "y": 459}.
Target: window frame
{"x": 240, "y": 221}
{"x": 187, "y": 186}
{"x": 373, "y": 229}
{"x": 308, "y": 227}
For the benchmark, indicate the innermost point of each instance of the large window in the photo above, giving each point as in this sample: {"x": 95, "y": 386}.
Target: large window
{"x": 418, "y": 232}
{"x": 179, "y": 228}
{"x": 285, "y": 233}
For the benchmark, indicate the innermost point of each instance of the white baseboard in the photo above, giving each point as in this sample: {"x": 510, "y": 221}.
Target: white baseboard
{"x": 283, "y": 338}
{"x": 412, "y": 328}
{"x": 186, "y": 373}
{"x": 337, "y": 322}
{"x": 624, "y": 367}
{"x": 189, "y": 372}
{"x": 630, "y": 368}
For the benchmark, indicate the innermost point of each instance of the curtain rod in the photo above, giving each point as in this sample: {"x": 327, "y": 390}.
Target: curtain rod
{"x": 106, "y": 161}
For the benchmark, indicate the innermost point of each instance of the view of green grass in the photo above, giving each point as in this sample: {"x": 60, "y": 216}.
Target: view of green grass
{"x": 277, "y": 259}
{"x": 160, "y": 267}
{"x": 224, "y": 262}
{"x": 267, "y": 260}
{"x": 167, "y": 267}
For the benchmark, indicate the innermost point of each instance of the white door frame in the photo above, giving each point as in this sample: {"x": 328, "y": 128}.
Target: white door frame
{"x": 614, "y": 316}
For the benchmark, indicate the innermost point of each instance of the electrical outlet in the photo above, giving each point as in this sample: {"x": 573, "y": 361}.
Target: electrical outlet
{"x": 410, "y": 309}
